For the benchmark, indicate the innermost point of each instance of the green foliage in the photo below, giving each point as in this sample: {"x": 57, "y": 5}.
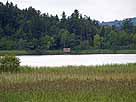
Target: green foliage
{"x": 29, "y": 29}
{"x": 47, "y": 42}
{"x": 84, "y": 44}
{"x": 118, "y": 40}
{"x": 128, "y": 26}
{"x": 66, "y": 38}
{"x": 7, "y": 44}
{"x": 134, "y": 40}
{"x": 9, "y": 63}
{"x": 97, "y": 41}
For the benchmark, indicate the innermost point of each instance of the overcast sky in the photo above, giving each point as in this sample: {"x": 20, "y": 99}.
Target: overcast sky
{"x": 102, "y": 10}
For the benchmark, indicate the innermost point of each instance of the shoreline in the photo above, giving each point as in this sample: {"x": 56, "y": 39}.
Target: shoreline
{"x": 73, "y": 52}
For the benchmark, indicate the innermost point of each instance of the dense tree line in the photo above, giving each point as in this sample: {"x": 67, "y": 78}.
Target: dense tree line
{"x": 29, "y": 29}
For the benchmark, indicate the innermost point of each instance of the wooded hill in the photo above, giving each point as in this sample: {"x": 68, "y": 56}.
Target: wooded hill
{"x": 29, "y": 29}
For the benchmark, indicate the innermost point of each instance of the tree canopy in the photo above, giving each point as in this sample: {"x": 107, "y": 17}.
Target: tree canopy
{"x": 29, "y": 29}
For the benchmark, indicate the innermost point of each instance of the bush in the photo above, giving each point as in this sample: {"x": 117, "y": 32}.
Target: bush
{"x": 9, "y": 63}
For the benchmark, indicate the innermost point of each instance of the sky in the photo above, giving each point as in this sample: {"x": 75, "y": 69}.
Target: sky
{"x": 102, "y": 10}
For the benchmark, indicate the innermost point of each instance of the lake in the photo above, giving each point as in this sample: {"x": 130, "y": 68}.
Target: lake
{"x": 77, "y": 60}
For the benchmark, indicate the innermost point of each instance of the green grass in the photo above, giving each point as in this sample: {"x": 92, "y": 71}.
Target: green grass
{"x": 60, "y": 52}
{"x": 109, "y": 83}
{"x": 104, "y": 51}
{"x": 13, "y": 52}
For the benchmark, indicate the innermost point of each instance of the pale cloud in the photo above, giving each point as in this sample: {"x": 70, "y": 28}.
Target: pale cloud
{"x": 103, "y": 10}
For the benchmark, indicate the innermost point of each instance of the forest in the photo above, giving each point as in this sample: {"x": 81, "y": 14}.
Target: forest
{"x": 29, "y": 29}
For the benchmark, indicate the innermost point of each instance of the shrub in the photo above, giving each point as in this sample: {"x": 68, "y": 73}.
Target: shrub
{"x": 9, "y": 63}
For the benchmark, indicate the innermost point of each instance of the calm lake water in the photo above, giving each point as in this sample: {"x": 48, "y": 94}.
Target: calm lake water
{"x": 77, "y": 60}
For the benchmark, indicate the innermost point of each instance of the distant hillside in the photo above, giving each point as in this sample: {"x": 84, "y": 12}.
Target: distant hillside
{"x": 118, "y": 23}
{"x": 133, "y": 20}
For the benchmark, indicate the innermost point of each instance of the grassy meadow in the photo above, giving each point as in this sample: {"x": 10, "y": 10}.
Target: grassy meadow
{"x": 109, "y": 83}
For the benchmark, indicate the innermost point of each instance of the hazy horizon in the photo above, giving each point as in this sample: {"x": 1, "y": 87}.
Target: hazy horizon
{"x": 104, "y": 10}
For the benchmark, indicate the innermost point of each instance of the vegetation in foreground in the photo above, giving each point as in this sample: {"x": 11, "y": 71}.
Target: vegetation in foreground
{"x": 110, "y": 83}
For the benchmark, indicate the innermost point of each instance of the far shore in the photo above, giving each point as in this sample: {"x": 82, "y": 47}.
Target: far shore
{"x": 73, "y": 52}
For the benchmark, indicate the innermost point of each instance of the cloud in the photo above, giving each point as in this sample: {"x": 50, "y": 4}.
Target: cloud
{"x": 103, "y": 10}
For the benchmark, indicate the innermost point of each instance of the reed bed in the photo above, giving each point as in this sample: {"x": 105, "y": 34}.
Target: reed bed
{"x": 108, "y": 83}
